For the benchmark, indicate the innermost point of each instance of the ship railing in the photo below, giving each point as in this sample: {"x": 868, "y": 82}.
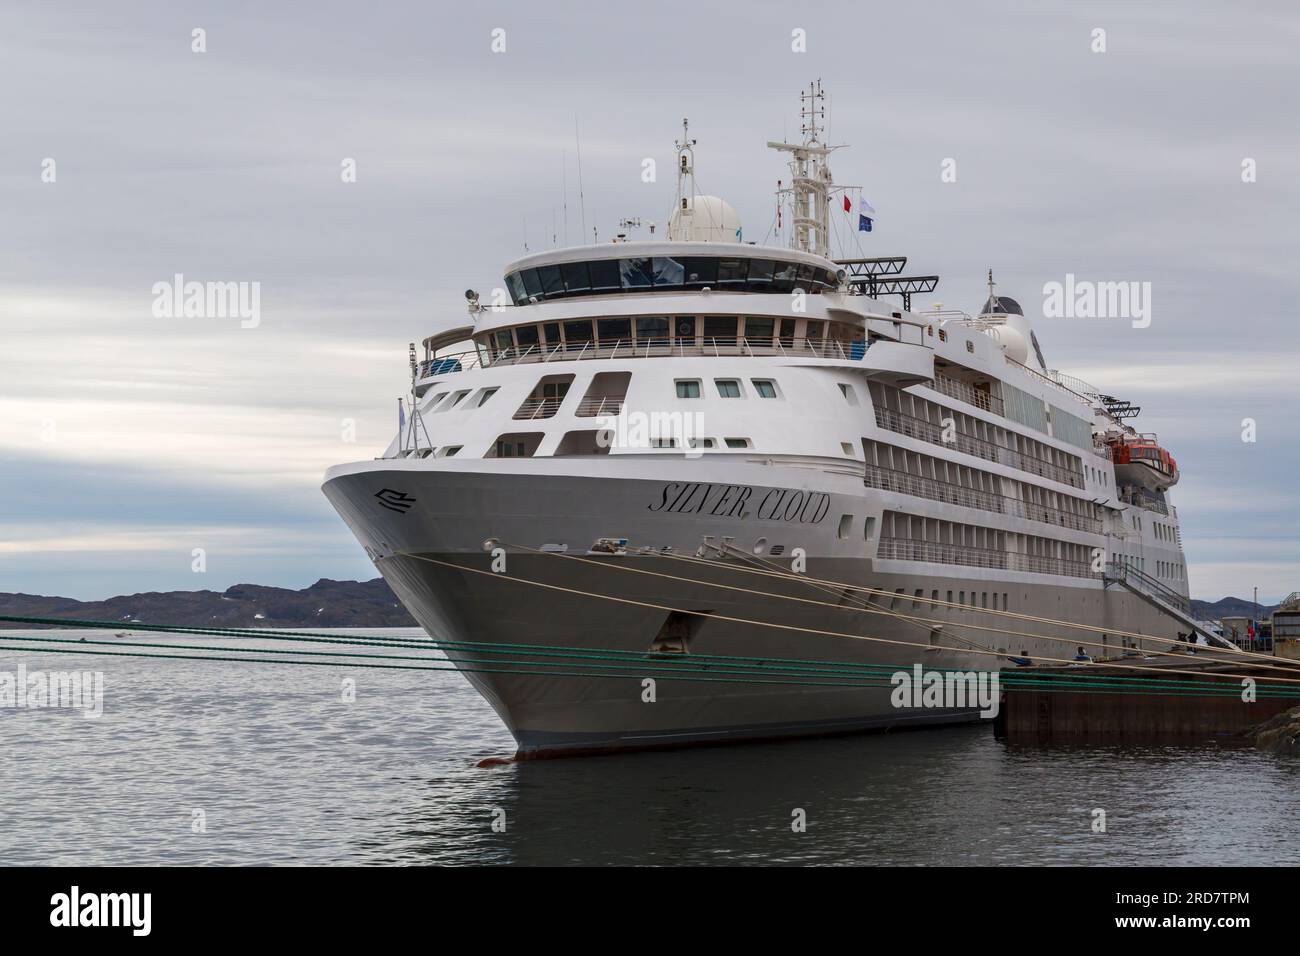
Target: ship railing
{"x": 1150, "y": 501}
{"x": 533, "y": 408}
{"x": 600, "y": 405}
{"x": 933, "y": 552}
{"x": 887, "y": 479}
{"x": 955, "y": 388}
{"x": 1048, "y": 380}
{"x": 913, "y": 427}
{"x": 1121, "y": 569}
{"x": 712, "y": 346}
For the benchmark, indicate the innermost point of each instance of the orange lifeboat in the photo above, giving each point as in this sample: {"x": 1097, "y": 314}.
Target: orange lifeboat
{"x": 1139, "y": 460}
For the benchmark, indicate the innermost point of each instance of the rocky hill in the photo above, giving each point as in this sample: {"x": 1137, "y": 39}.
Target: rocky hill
{"x": 325, "y": 604}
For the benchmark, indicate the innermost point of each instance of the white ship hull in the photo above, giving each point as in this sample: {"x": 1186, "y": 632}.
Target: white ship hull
{"x": 433, "y": 557}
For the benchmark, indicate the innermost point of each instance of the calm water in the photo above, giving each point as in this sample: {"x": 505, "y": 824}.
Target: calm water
{"x": 286, "y": 772}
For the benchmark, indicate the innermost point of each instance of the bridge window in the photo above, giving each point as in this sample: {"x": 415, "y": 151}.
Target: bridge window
{"x": 764, "y": 387}
{"x": 636, "y": 273}
{"x": 688, "y": 388}
{"x": 516, "y": 284}
{"x": 552, "y": 281}
{"x": 732, "y": 272}
{"x": 728, "y": 387}
{"x": 532, "y": 284}
{"x": 760, "y": 272}
{"x": 667, "y": 272}
{"x": 605, "y": 275}
{"x": 785, "y": 276}
{"x": 698, "y": 271}
{"x": 576, "y": 279}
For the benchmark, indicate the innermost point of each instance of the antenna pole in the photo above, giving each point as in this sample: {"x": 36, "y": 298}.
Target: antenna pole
{"x": 582, "y": 205}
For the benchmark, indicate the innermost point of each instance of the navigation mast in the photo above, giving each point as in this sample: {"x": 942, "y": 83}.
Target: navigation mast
{"x": 810, "y": 176}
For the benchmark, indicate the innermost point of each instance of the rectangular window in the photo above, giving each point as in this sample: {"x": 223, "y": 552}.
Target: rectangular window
{"x": 737, "y": 442}
{"x": 612, "y": 331}
{"x": 552, "y": 281}
{"x": 605, "y": 274}
{"x": 688, "y": 389}
{"x": 732, "y": 272}
{"x": 764, "y": 387}
{"x": 517, "y": 294}
{"x": 760, "y": 274}
{"x": 552, "y": 332}
{"x": 485, "y": 395}
{"x": 636, "y": 273}
{"x": 719, "y": 330}
{"x": 576, "y": 333}
{"x": 758, "y": 332}
{"x": 526, "y": 335}
{"x": 652, "y": 331}
{"x": 666, "y": 271}
{"x": 575, "y": 277}
{"x": 532, "y": 285}
{"x": 700, "y": 271}
{"x": 728, "y": 387}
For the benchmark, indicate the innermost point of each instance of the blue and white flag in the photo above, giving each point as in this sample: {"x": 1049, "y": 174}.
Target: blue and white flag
{"x": 866, "y": 213}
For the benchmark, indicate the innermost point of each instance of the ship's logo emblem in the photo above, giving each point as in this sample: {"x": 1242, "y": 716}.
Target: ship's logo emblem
{"x": 398, "y": 501}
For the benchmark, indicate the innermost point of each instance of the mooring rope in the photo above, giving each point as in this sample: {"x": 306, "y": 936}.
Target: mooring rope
{"x": 830, "y": 673}
{"x": 784, "y": 627}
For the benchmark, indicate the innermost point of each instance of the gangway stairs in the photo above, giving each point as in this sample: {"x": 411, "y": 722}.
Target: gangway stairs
{"x": 1162, "y": 598}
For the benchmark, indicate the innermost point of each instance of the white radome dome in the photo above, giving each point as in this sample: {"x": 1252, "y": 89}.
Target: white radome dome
{"x": 705, "y": 219}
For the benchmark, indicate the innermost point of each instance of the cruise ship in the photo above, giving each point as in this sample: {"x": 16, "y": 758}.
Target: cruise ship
{"x": 694, "y": 447}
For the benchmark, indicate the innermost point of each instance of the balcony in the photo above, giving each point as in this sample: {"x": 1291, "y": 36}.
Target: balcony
{"x": 928, "y": 431}
{"x": 955, "y": 388}
{"x": 888, "y": 479}
{"x": 932, "y": 552}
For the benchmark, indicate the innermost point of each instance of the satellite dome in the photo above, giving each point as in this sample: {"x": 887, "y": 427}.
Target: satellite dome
{"x": 704, "y": 219}
{"x": 1001, "y": 305}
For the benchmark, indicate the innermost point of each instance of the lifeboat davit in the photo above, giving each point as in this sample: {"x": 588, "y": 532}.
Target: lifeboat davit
{"x": 1141, "y": 461}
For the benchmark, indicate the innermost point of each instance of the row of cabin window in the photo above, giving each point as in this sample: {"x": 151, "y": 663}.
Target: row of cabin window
{"x": 1169, "y": 569}
{"x": 918, "y": 598}
{"x": 511, "y": 448}
{"x": 727, "y": 387}
{"x": 606, "y": 276}
{"x": 661, "y": 331}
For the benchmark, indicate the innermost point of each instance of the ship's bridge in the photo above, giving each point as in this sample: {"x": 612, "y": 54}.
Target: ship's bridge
{"x": 657, "y": 266}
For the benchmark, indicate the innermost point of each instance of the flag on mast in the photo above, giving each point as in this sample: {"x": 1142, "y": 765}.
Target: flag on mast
{"x": 865, "y": 215}
{"x": 848, "y": 206}
{"x": 401, "y": 414}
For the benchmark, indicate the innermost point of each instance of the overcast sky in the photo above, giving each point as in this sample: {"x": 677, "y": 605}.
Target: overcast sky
{"x": 128, "y": 440}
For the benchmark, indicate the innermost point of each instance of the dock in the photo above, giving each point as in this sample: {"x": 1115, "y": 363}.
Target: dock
{"x": 1150, "y": 699}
